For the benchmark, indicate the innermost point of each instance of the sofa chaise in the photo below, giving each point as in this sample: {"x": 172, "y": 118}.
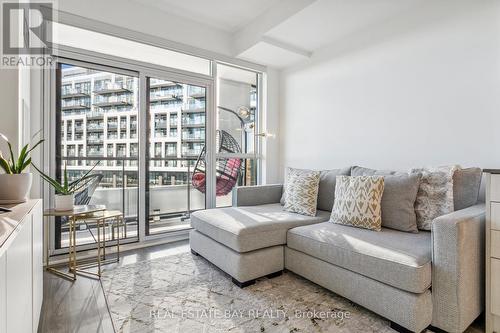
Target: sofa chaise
{"x": 413, "y": 279}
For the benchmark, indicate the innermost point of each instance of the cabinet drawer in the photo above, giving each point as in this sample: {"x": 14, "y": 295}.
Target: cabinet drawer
{"x": 495, "y": 243}
{"x": 495, "y": 286}
{"x": 495, "y": 215}
{"x": 495, "y": 188}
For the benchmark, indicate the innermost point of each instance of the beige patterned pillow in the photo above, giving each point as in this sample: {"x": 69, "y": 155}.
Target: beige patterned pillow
{"x": 358, "y": 202}
{"x": 302, "y": 193}
{"x": 435, "y": 194}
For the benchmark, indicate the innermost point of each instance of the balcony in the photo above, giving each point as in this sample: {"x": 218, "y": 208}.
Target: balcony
{"x": 165, "y": 95}
{"x": 79, "y": 128}
{"x": 113, "y": 101}
{"x": 111, "y": 88}
{"x": 95, "y": 140}
{"x": 197, "y": 93}
{"x": 194, "y": 107}
{"x": 191, "y": 152}
{"x": 74, "y": 93}
{"x": 95, "y": 115}
{"x": 74, "y": 105}
{"x": 193, "y": 123}
{"x": 112, "y": 125}
{"x": 95, "y": 153}
{"x": 193, "y": 137}
{"x": 161, "y": 124}
{"x": 95, "y": 128}
{"x": 165, "y": 107}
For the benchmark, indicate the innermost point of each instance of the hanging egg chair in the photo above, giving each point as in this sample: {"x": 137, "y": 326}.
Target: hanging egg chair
{"x": 227, "y": 170}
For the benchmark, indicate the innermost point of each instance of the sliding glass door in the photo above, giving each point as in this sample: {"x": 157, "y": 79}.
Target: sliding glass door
{"x": 160, "y": 144}
{"x": 97, "y": 129}
{"x": 176, "y": 154}
{"x": 237, "y": 125}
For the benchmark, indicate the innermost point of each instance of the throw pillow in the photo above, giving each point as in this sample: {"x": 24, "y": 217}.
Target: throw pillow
{"x": 289, "y": 172}
{"x": 358, "y": 202}
{"x": 302, "y": 193}
{"x": 466, "y": 184}
{"x": 398, "y": 200}
{"x": 326, "y": 191}
{"x": 435, "y": 194}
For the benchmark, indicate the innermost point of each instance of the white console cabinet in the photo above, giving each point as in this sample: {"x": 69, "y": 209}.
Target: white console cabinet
{"x": 21, "y": 267}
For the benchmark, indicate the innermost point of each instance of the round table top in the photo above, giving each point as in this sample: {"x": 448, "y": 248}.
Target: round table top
{"x": 76, "y": 211}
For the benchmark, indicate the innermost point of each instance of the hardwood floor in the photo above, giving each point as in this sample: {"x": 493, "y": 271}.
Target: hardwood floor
{"x": 80, "y": 306}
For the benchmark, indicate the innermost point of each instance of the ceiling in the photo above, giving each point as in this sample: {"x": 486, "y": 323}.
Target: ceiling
{"x": 281, "y": 33}
{"x": 227, "y": 15}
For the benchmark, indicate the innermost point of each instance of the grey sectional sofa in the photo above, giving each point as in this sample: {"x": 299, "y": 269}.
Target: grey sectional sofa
{"x": 413, "y": 279}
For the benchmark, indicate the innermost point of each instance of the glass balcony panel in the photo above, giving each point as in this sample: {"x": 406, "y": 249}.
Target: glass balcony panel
{"x": 171, "y": 195}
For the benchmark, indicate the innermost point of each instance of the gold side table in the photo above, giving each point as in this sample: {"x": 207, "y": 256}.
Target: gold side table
{"x": 102, "y": 219}
{"x": 72, "y": 215}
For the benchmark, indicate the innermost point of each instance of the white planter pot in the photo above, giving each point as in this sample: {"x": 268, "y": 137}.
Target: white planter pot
{"x": 14, "y": 189}
{"x": 64, "y": 202}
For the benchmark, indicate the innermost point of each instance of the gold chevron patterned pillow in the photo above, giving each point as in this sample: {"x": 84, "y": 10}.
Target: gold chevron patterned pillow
{"x": 358, "y": 202}
{"x": 302, "y": 193}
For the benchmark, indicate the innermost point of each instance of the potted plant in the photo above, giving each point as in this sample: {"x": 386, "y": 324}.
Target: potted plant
{"x": 65, "y": 190}
{"x": 14, "y": 184}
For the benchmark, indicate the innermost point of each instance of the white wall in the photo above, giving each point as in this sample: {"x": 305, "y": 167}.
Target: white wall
{"x": 421, "y": 89}
{"x": 9, "y": 113}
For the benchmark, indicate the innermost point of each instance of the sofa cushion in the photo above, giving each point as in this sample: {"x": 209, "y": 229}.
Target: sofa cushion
{"x": 399, "y": 259}
{"x": 398, "y": 200}
{"x": 326, "y": 191}
{"x": 358, "y": 202}
{"x": 250, "y": 228}
{"x": 466, "y": 184}
{"x": 327, "y": 181}
{"x": 361, "y": 171}
{"x": 435, "y": 194}
{"x": 302, "y": 193}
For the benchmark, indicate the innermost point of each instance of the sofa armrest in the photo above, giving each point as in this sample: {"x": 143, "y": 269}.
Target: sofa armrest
{"x": 257, "y": 195}
{"x": 458, "y": 268}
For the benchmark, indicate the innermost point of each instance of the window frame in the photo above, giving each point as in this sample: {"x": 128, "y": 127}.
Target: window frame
{"x": 105, "y": 62}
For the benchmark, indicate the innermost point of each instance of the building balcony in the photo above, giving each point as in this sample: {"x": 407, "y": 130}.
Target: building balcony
{"x": 165, "y": 96}
{"x": 113, "y": 101}
{"x": 191, "y": 152}
{"x": 95, "y": 128}
{"x": 79, "y": 128}
{"x": 95, "y": 115}
{"x": 95, "y": 140}
{"x": 193, "y": 137}
{"x": 74, "y": 93}
{"x": 161, "y": 124}
{"x": 193, "y": 123}
{"x": 95, "y": 153}
{"x": 113, "y": 126}
{"x": 74, "y": 106}
{"x": 111, "y": 88}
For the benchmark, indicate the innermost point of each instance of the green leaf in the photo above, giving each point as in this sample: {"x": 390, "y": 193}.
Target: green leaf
{"x": 55, "y": 184}
{"x": 21, "y": 159}
{"x": 74, "y": 184}
{"x": 65, "y": 184}
{"x": 5, "y": 166}
{"x": 36, "y": 145}
{"x": 13, "y": 166}
{"x": 26, "y": 164}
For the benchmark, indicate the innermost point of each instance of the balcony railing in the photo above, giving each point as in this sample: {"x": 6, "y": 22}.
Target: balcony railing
{"x": 113, "y": 100}
{"x": 75, "y": 92}
{"x": 95, "y": 127}
{"x": 109, "y": 88}
{"x": 74, "y": 105}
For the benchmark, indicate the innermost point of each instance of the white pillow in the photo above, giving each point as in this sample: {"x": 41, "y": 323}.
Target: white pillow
{"x": 302, "y": 193}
